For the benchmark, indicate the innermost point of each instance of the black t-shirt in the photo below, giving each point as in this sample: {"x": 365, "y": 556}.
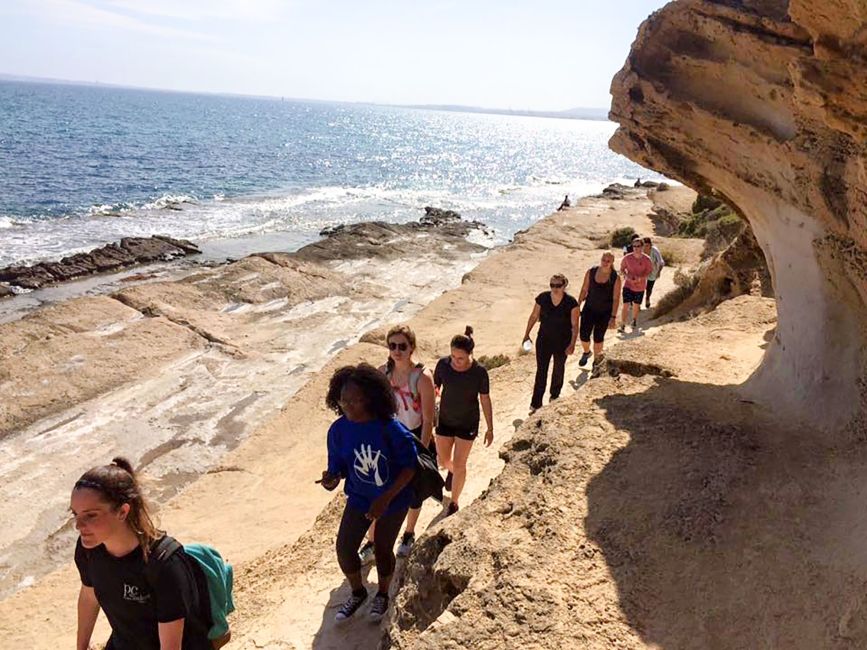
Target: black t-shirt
{"x": 133, "y": 608}
{"x": 459, "y": 403}
{"x": 556, "y": 320}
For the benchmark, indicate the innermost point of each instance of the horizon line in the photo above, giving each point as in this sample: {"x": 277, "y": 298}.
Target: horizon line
{"x": 527, "y": 112}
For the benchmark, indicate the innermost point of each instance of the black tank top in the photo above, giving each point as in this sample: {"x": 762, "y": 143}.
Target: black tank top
{"x": 600, "y": 297}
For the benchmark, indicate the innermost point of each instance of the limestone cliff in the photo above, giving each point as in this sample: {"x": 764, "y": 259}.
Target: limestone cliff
{"x": 764, "y": 103}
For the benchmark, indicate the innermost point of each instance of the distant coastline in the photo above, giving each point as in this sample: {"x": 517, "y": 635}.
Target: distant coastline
{"x": 598, "y": 114}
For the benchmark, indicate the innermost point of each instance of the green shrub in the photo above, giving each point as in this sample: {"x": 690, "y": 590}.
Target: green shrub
{"x": 489, "y": 363}
{"x": 671, "y": 256}
{"x": 622, "y": 237}
{"x": 686, "y": 284}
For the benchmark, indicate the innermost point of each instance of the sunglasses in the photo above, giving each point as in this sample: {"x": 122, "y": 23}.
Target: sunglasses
{"x": 556, "y": 285}
{"x": 403, "y": 347}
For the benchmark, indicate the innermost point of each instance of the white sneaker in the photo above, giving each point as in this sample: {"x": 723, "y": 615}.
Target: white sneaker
{"x": 367, "y": 554}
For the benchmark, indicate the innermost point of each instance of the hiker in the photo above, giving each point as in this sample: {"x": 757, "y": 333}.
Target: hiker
{"x": 566, "y": 204}
{"x": 558, "y": 332}
{"x": 414, "y": 394}
{"x": 376, "y": 456}
{"x": 117, "y": 539}
{"x": 635, "y": 267}
{"x": 658, "y": 263}
{"x": 464, "y": 384}
{"x": 600, "y": 294}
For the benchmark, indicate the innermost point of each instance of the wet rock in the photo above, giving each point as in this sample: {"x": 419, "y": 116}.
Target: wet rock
{"x": 130, "y": 251}
{"x": 6, "y": 292}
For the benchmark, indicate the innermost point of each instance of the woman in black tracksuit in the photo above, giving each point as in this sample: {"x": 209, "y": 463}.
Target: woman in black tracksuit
{"x": 558, "y": 313}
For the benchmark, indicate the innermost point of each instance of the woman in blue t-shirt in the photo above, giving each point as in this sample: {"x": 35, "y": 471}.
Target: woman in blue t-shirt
{"x": 376, "y": 456}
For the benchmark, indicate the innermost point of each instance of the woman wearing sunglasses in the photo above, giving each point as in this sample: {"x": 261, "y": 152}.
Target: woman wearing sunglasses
{"x": 558, "y": 332}
{"x": 376, "y": 457}
{"x": 414, "y": 394}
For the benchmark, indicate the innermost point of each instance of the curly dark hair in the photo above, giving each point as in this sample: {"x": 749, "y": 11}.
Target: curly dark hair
{"x": 378, "y": 394}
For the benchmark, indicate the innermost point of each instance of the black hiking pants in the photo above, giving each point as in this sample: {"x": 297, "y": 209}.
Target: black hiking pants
{"x": 545, "y": 351}
{"x": 353, "y": 528}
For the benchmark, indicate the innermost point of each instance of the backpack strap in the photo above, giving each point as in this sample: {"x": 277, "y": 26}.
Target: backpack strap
{"x": 161, "y": 551}
{"x": 414, "y": 377}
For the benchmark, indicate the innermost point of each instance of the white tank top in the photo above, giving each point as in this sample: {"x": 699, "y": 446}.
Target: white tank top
{"x": 408, "y": 409}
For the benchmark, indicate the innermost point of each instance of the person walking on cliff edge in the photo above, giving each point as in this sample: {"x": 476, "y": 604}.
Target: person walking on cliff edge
{"x": 600, "y": 295}
{"x": 464, "y": 385}
{"x": 635, "y": 267}
{"x": 558, "y": 332}
{"x": 658, "y": 263}
{"x": 376, "y": 457}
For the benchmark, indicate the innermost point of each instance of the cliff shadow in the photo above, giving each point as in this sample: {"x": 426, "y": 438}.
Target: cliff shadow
{"x": 723, "y": 530}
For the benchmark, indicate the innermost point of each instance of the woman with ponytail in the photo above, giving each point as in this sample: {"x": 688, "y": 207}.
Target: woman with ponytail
{"x": 464, "y": 385}
{"x": 415, "y": 399}
{"x": 117, "y": 536}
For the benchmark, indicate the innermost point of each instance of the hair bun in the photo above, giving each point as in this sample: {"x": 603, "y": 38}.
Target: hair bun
{"x": 124, "y": 464}
{"x": 468, "y": 331}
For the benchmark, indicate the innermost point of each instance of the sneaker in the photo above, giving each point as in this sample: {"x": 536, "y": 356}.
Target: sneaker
{"x": 634, "y": 324}
{"x": 622, "y": 328}
{"x": 584, "y": 358}
{"x": 448, "y": 482}
{"x": 378, "y": 607}
{"x": 367, "y": 554}
{"x": 647, "y": 305}
{"x": 351, "y": 605}
{"x": 453, "y": 508}
{"x": 405, "y": 544}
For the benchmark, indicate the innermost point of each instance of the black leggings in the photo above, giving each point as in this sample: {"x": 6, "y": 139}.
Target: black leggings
{"x": 544, "y": 353}
{"x": 353, "y": 527}
{"x": 649, "y": 290}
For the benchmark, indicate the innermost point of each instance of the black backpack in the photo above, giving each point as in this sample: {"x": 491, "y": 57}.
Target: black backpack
{"x": 427, "y": 483}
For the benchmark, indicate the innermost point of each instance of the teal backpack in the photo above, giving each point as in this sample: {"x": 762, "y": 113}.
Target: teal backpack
{"x": 212, "y": 572}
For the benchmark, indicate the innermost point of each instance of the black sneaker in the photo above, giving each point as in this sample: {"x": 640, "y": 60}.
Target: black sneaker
{"x": 584, "y": 358}
{"x": 405, "y": 544}
{"x": 453, "y": 508}
{"x": 378, "y": 607}
{"x": 448, "y": 482}
{"x": 351, "y": 605}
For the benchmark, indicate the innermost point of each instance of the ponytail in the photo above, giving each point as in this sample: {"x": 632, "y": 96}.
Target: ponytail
{"x": 118, "y": 484}
{"x": 464, "y": 341}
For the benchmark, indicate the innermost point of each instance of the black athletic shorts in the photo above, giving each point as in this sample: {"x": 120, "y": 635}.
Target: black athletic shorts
{"x": 595, "y": 323}
{"x": 630, "y": 296}
{"x": 463, "y": 433}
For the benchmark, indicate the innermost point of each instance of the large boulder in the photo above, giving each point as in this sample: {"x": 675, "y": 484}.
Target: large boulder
{"x": 763, "y": 104}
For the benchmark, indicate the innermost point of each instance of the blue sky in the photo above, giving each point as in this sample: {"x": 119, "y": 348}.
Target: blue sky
{"x": 520, "y": 54}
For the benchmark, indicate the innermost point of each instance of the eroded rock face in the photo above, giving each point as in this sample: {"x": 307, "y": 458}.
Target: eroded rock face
{"x": 765, "y": 102}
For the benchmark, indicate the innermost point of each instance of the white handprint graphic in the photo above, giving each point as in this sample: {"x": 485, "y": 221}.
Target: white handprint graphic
{"x": 366, "y": 462}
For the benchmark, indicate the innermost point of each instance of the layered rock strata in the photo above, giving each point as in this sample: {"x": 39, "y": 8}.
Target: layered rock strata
{"x": 764, "y": 104}
{"x": 130, "y": 251}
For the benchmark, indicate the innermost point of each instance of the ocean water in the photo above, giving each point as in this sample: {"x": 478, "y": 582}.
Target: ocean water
{"x": 82, "y": 166}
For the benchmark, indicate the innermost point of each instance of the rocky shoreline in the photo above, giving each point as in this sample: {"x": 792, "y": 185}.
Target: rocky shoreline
{"x": 128, "y": 252}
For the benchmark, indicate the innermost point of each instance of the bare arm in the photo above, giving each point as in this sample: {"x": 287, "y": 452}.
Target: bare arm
{"x": 585, "y": 289}
{"x": 576, "y": 319}
{"x": 534, "y": 318}
{"x": 488, "y": 410}
{"x": 617, "y": 293}
{"x": 88, "y": 610}
{"x": 380, "y": 503}
{"x": 428, "y": 405}
{"x": 171, "y": 634}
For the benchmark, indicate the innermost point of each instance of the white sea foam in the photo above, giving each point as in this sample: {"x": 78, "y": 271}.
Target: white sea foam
{"x": 6, "y": 222}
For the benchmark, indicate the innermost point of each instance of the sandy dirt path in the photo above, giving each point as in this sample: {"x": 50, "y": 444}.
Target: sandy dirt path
{"x": 261, "y": 507}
